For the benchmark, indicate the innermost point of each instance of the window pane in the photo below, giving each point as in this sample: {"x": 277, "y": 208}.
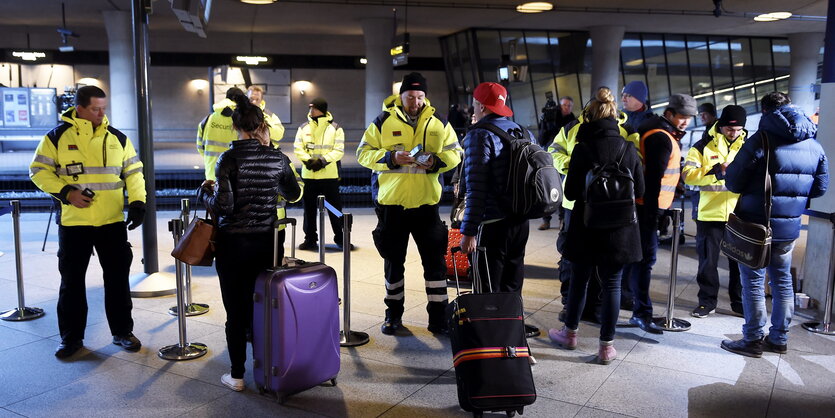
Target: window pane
{"x": 699, "y": 68}
{"x": 656, "y": 68}
{"x": 540, "y": 70}
{"x": 489, "y": 53}
{"x": 632, "y": 60}
{"x": 743, "y": 71}
{"x": 720, "y": 64}
{"x": 465, "y": 56}
{"x": 677, "y": 68}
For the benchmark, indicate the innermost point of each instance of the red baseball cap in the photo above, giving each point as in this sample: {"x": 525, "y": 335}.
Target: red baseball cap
{"x": 493, "y": 96}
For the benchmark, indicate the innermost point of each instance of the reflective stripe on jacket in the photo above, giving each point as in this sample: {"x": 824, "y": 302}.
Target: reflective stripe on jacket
{"x": 566, "y": 139}
{"x": 407, "y": 186}
{"x": 672, "y": 174}
{"x": 110, "y": 165}
{"x": 320, "y": 137}
{"x": 716, "y": 202}
{"x": 214, "y": 134}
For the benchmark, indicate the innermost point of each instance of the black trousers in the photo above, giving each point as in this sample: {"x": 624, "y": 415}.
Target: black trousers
{"x": 504, "y": 259}
{"x": 75, "y": 246}
{"x": 312, "y": 189}
{"x": 391, "y": 237}
{"x": 239, "y": 259}
{"x": 708, "y": 240}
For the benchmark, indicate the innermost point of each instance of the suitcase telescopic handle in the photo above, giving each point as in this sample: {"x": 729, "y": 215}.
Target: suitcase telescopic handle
{"x": 452, "y": 251}
{"x": 276, "y": 225}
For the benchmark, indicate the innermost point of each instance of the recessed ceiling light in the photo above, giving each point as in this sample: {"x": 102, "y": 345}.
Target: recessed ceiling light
{"x": 771, "y": 17}
{"x": 258, "y": 1}
{"x": 534, "y": 7}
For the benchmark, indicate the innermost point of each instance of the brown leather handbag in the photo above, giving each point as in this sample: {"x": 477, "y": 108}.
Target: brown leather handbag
{"x": 749, "y": 243}
{"x": 197, "y": 245}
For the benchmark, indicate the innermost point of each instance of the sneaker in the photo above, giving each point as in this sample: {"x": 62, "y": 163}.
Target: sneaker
{"x": 774, "y": 348}
{"x": 544, "y": 226}
{"x": 744, "y": 348}
{"x": 128, "y": 342}
{"x": 67, "y": 348}
{"x": 309, "y": 246}
{"x": 235, "y": 384}
{"x": 439, "y": 330}
{"x": 606, "y": 353}
{"x": 702, "y": 311}
{"x": 564, "y": 337}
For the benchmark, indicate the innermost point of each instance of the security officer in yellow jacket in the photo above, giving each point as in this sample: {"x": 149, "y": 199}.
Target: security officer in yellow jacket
{"x": 560, "y": 151}
{"x": 320, "y": 145}
{"x": 407, "y": 147}
{"x": 87, "y": 165}
{"x": 256, "y": 97}
{"x": 705, "y": 167}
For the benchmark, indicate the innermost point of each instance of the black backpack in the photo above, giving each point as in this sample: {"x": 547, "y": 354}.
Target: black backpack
{"x": 534, "y": 188}
{"x": 610, "y": 194}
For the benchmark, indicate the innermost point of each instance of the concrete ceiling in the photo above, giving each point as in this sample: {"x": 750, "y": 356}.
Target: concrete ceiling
{"x": 298, "y": 25}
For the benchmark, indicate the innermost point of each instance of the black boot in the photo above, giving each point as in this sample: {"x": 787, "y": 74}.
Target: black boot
{"x": 744, "y": 348}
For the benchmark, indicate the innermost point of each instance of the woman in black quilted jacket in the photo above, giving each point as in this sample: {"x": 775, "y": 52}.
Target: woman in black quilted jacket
{"x": 251, "y": 175}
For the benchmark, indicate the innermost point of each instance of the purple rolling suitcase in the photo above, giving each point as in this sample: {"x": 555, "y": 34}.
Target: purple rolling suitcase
{"x": 295, "y": 338}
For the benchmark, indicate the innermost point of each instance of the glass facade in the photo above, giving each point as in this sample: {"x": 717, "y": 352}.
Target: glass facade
{"x": 719, "y": 69}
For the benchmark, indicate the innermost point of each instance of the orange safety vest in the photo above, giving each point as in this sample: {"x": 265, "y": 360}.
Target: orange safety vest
{"x": 669, "y": 181}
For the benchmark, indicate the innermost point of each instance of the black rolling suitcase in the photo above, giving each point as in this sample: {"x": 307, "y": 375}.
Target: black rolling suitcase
{"x": 490, "y": 352}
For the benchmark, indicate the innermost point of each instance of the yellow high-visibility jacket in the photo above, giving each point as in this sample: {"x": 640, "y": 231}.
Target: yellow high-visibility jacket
{"x": 566, "y": 139}
{"x": 316, "y": 138}
{"x": 215, "y": 133}
{"x": 109, "y": 164}
{"x": 407, "y": 186}
{"x": 715, "y": 201}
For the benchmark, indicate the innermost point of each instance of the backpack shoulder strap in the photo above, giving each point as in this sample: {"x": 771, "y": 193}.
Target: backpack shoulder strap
{"x": 501, "y": 133}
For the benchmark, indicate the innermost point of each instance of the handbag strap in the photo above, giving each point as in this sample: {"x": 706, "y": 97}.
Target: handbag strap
{"x": 767, "y": 187}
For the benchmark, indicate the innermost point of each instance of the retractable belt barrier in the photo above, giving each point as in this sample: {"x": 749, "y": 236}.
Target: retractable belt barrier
{"x": 668, "y": 322}
{"x": 825, "y": 326}
{"x": 348, "y": 338}
{"x": 22, "y": 312}
{"x": 192, "y": 309}
{"x": 183, "y": 350}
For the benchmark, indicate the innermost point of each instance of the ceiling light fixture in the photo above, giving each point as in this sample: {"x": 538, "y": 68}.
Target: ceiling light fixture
{"x": 534, "y": 7}
{"x": 251, "y": 59}
{"x": 772, "y": 17}
{"x": 363, "y": 61}
{"x": 258, "y": 1}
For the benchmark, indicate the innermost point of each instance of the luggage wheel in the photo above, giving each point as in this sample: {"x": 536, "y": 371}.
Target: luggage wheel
{"x": 333, "y": 382}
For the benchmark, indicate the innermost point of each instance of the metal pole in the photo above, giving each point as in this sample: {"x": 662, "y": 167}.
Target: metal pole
{"x": 21, "y": 313}
{"x": 141, "y": 10}
{"x": 182, "y": 350}
{"x": 669, "y": 323}
{"x": 192, "y": 309}
{"x": 348, "y": 338}
{"x": 826, "y": 327}
{"x": 46, "y": 234}
{"x": 320, "y": 203}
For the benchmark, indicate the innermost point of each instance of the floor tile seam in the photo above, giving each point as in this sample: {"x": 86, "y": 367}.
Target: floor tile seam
{"x": 604, "y": 410}
{"x": 3, "y": 324}
{"x": 734, "y": 382}
{"x": 773, "y": 385}
{"x": 411, "y": 394}
{"x": 611, "y": 373}
{"x": 188, "y": 413}
{"x": 11, "y": 412}
{"x": 395, "y": 364}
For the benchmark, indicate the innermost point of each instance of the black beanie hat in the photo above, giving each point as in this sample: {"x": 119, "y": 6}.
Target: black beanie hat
{"x": 320, "y": 103}
{"x": 708, "y": 108}
{"x": 732, "y": 115}
{"x": 413, "y": 81}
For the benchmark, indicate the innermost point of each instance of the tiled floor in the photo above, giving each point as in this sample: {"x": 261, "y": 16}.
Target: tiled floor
{"x": 675, "y": 374}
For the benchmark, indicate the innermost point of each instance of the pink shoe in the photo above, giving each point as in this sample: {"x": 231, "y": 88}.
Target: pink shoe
{"x": 606, "y": 353}
{"x": 564, "y": 337}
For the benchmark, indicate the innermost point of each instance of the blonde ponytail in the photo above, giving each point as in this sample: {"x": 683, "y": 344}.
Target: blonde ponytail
{"x": 602, "y": 106}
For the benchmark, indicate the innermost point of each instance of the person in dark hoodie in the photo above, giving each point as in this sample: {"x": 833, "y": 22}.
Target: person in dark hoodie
{"x": 598, "y": 252}
{"x": 799, "y": 171}
{"x": 662, "y": 169}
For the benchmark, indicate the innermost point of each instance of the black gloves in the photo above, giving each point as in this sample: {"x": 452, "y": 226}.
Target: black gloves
{"x": 136, "y": 214}
{"x": 315, "y": 164}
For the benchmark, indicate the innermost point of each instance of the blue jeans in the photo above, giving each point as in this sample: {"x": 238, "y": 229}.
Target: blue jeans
{"x": 609, "y": 276}
{"x": 782, "y": 295}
